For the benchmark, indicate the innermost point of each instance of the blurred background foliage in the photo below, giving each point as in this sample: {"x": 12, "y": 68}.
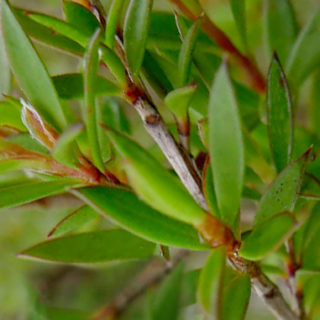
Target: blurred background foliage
{"x": 22, "y": 282}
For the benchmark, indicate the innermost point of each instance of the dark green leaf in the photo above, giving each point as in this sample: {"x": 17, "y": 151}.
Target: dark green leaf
{"x": 305, "y": 54}
{"x": 125, "y": 209}
{"x": 166, "y": 304}
{"x": 92, "y": 247}
{"x": 66, "y": 314}
{"x": 236, "y": 298}
{"x": 70, "y": 86}
{"x": 210, "y": 283}
{"x": 112, "y": 20}
{"x": 186, "y": 52}
{"x": 23, "y": 58}
{"x": 90, "y": 108}
{"x": 268, "y": 236}
{"x": 281, "y": 27}
{"x": 136, "y": 32}
{"x": 226, "y": 148}
{"x": 16, "y": 195}
{"x": 282, "y": 193}
{"x": 279, "y": 108}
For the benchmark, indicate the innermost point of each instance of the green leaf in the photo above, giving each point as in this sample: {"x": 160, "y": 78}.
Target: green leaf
{"x": 209, "y": 292}
{"x": 238, "y": 291}
{"x": 152, "y": 182}
{"x": 16, "y": 195}
{"x": 36, "y": 84}
{"x": 73, "y": 221}
{"x": 167, "y": 299}
{"x": 92, "y": 247}
{"x": 311, "y": 242}
{"x": 90, "y": 108}
{"x": 186, "y": 52}
{"x": 65, "y": 148}
{"x": 112, "y": 20}
{"x": 62, "y": 27}
{"x": 45, "y": 35}
{"x": 226, "y": 148}
{"x": 10, "y": 116}
{"x": 5, "y": 78}
{"x": 70, "y": 86}
{"x": 135, "y": 32}
{"x": 305, "y": 54}
{"x": 281, "y": 27}
{"x": 126, "y": 210}
{"x": 66, "y": 314}
{"x": 81, "y": 18}
{"x": 178, "y": 100}
{"x": 282, "y": 193}
{"x": 268, "y": 236}
{"x": 279, "y": 108}
{"x": 238, "y": 8}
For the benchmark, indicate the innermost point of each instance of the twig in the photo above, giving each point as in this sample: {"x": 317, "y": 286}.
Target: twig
{"x": 150, "y": 276}
{"x": 254, "y": 76}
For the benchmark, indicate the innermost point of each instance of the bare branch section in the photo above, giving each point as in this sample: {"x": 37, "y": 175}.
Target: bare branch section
{"x": 253, "y": 74}
{"x": 150, "y": 276}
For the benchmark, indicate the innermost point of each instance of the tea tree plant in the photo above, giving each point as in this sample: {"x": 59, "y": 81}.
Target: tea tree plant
{"x": 223, "y": 134}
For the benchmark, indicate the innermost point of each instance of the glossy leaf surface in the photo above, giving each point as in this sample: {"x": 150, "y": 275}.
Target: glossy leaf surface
{"x": 124, "y": 208}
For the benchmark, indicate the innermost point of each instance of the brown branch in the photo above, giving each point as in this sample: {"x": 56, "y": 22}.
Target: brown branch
{"x": 255, "y": 78}
{"x": 150, "y": 276}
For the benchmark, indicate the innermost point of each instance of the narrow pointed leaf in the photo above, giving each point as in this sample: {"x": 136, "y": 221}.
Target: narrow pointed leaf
{"x": 45, "y": 35}
{"x": 166, "y": 304}
{"x": 210, "y": 285}
{"x": 16, "y": 195}
{"x": 238, "y": 291}
{"x": 90, "y": 112}
{"x": 305, "y": 54}
{"x": 65, "y": 148}
{"x": 282, "y": 193}
{"x": 178, "y": 100}
{"x": 126, "y": 210}
{"x": 135, "y": 32}
{"x": 152, "y": 182}
{"x": 268, "y": 236}
{"x": 281, "y": 27}
{"x": 112, "y": 21}
{"x": 279, "y": 108}
{"x": 238, "y": 8}
{"x": 73, "y": 221}
{"x": 23, "y": 58}
{"x": 92, "y": 247}
{"x": 226, "y": 148}
{"x": 61, "y": 27}
{"x": 186, "y": 52}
